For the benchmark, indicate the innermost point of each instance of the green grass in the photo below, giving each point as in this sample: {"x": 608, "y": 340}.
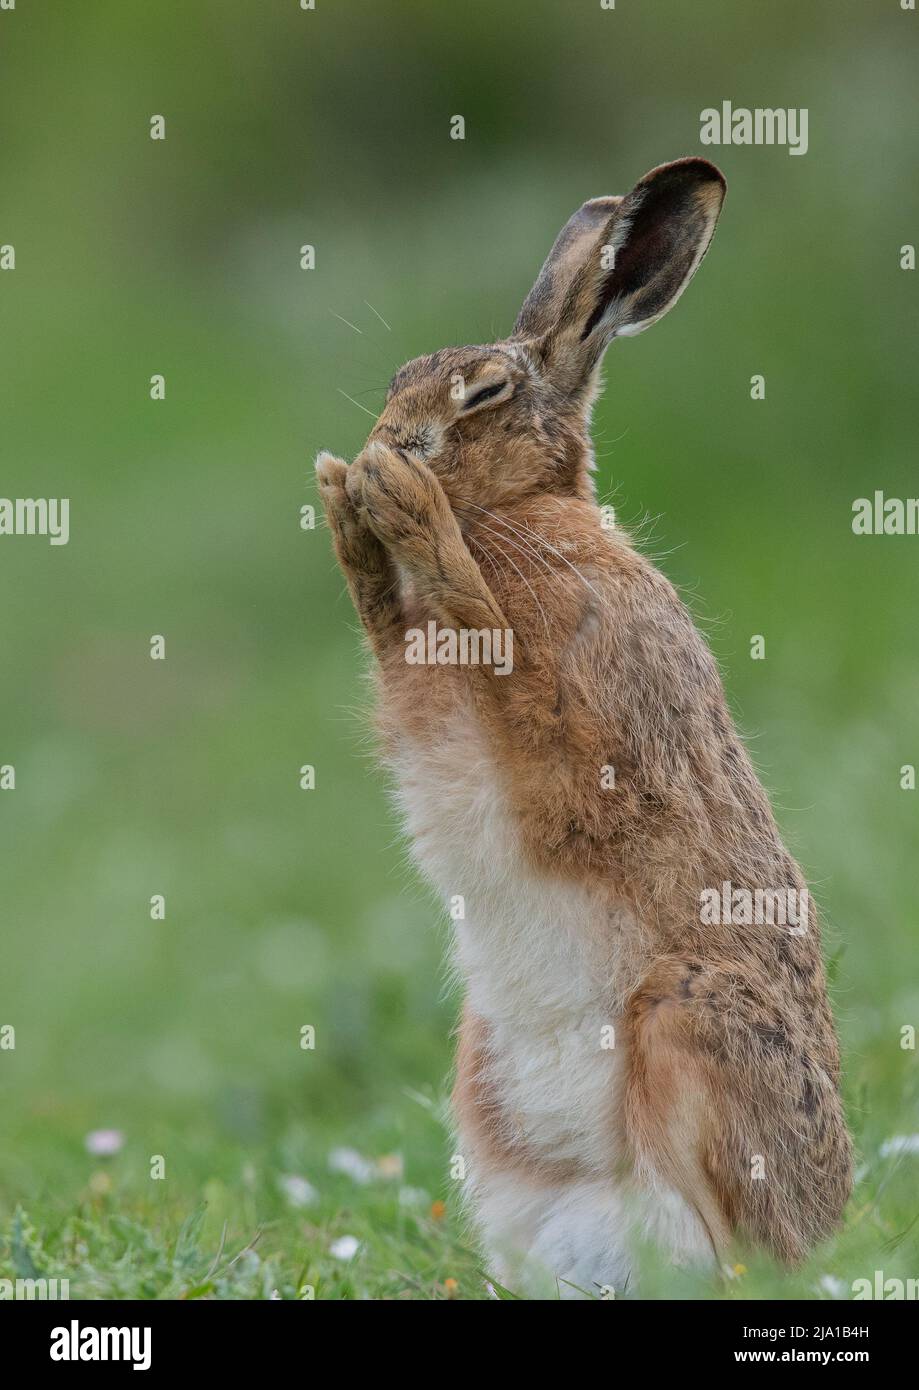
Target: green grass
{"x": 238, "y": 1222}
{"x": 229, "y": 1220}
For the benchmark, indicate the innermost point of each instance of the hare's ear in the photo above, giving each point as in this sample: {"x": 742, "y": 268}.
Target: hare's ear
{"x": 619, "y": 264}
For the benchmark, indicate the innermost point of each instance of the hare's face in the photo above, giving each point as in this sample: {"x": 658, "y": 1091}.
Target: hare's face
{"x": 501, "y": 423}
{"x": 486, "y": 422}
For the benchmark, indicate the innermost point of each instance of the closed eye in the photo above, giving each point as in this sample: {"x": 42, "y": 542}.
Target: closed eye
{"x": 487, "y": 393}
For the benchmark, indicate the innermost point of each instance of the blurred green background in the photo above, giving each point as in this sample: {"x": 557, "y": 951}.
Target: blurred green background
{"x": 180, "y": 777}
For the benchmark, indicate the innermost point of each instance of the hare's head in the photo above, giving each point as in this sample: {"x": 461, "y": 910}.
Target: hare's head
{"x": 505, "y": 421}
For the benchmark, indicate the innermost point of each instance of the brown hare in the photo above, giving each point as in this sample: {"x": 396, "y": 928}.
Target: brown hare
{"x": 632, "y": 1066}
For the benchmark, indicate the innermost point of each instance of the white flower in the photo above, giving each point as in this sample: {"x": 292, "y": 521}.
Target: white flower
{"x": 297, "y": 1190}
{"x": 833, "y": 1286}
{"x": 413, "y": 1197}
{"x": 900, "y": 1144}
{"x": 352, "y": 1164}
{"x": 345, "y": 1247}
{"x": 104, "y": 1142}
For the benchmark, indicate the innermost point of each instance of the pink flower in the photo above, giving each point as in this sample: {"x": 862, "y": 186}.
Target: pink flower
{"x": 102, "y": 1143}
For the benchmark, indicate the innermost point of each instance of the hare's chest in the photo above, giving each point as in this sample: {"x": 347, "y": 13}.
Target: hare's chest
{"x": 534, "y": 952}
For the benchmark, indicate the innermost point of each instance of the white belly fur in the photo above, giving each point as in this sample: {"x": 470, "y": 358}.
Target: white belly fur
{"x": 544, "y": 963}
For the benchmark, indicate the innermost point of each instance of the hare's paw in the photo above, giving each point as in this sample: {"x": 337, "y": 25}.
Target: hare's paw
{"x": 341, "y": 513}
{"x": 330, "y": 471}
{"x": 402, "y": 501}
{"x": 357, "y": 547}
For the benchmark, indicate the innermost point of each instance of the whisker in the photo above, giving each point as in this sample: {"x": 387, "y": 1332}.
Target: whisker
{"x": 529, "y": 553}
{"x": 354, "y": 402}
{"x": 379, "y": 315}
{"x": 528, "y": 531}
{"x": 505, "y": 556}
{"x": 486, "y": 555}
{"x": 530, "y": 549}
{"x": 347, "y": 321}
{"x": 503, "y": 521}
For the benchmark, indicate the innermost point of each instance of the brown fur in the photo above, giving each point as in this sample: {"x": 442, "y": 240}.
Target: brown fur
{"x": 731, "y": 1047}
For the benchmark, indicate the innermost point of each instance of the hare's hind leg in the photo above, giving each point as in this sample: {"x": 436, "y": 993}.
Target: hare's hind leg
{"x": 669, "y": 1101}
{"x": 581, "y": 1237}
{"x": 730, "y": 1097}
{"x": 570, "y": 1239}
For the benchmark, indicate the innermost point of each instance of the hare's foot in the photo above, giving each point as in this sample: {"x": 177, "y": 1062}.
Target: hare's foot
{"x": 363, "y": 558}
{"x": 583, "y": 1238}
{"x": 404, "y": 505}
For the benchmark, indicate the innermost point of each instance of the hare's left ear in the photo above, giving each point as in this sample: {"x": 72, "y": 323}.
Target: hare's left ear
{"x": 618, "y": 265}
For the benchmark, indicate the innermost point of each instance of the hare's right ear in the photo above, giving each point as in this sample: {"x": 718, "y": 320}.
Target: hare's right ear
{"x": 618, "y": 265}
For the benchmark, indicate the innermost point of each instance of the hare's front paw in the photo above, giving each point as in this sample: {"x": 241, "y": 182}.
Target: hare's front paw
{"x": 402, "y": 501}
{"x": 357, "y": 546}
{"x": 330, "y": 471}
{"x": 341, "y": 514}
